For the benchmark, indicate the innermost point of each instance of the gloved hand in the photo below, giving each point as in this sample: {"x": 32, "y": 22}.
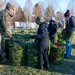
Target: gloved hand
{"x": 64, "y": 31}
{"x": 35, "y": 40}
{"x": 32, "y": 37}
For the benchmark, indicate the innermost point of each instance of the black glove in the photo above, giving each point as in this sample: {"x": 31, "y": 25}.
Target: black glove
{"x": 35, "y": 40}
{"x": 32, "y": 37}
{"x": 64, "y": 31}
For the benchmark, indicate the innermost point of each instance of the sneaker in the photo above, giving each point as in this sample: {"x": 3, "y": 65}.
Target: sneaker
{"x": 70, "y": 55}
{"x": 5, "y": 60}
{"x": 66, "y": 56}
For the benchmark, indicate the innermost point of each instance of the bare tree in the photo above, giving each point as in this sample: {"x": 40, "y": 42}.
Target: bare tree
{"x": 52, "y": 7}
{"x": 18, "y": 13}
{"x": 59, "y": 16}
{"x": 49, "y": 13}
{"x": 1, "y": 4}
{"x": 71, "y": 7}
{"x": 41, "y": 4}
{"x": 54, "y": 4}
{"x": 37, "y": 10}
{"x": 28, "y": 10}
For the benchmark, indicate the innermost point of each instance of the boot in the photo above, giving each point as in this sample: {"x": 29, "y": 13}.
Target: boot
{"x": 5, "y": 60}
{"x": 46, "y": 66}
{"x": 38, "y": 67}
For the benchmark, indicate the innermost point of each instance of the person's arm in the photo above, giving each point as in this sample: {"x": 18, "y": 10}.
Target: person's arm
{"x": 71, "y": 24}
{"x": 4, "y": 24}
{"x": 41, "y": 35}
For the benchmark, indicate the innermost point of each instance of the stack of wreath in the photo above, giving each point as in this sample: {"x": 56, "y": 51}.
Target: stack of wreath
{"x": 15, "y": 52}
{"x": 56, "y": 54}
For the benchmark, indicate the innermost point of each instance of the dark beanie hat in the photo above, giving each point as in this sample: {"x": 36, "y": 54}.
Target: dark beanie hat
{"x": 67, "y": 13}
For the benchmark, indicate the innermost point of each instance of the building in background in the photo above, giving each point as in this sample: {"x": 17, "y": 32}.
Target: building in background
{"x": 25, "y": 25}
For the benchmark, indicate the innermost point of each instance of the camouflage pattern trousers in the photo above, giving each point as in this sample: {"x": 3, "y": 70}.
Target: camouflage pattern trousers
{"x": 2, "y": 45}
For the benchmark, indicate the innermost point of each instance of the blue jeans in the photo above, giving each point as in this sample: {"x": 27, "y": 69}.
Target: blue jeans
{"x": 69, "y": 45}
{"x": 68, "y": 48}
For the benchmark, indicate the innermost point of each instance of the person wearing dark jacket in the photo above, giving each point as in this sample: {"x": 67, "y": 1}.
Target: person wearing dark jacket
{"x": 52, "y": 28}
{"x": 43, "y": 42}
{"x": 70, "y": 23}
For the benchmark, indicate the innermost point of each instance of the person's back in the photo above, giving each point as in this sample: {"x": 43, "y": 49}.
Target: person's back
{"x": 70, "y": 24}
{"x": 43, "y": 29}
{"x": 52, "y": 28}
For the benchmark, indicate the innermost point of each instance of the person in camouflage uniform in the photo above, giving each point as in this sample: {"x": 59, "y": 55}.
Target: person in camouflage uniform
{"x": 5, "y": 28}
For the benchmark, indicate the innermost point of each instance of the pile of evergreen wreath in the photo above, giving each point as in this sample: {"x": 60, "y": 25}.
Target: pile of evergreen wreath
{"x": 56, "y": 54}
{"x": 16, "y": 52}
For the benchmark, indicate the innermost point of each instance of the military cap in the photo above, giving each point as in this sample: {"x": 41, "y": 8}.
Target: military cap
{"x": 9, "y": 6}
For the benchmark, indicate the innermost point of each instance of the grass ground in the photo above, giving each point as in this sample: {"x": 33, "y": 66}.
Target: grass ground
{"x": 66, "y": 68}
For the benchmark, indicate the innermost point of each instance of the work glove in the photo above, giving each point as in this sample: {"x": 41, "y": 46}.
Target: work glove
{"x": 64, "y": 31}
{"x": 31, "y": 37}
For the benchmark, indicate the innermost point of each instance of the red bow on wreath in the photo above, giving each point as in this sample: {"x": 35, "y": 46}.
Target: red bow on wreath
{"x": 58, "y": 46}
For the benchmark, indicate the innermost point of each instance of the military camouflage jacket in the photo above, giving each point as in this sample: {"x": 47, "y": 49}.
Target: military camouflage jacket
{"x": 6, "y": 20}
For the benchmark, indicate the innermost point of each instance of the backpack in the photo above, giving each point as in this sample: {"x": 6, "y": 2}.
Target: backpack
{"x": 71, "y": 25}
{"x": 1, "y": 21}
{"x": 72, "y": 21}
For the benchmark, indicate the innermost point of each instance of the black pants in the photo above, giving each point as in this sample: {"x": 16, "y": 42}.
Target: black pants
{"x": 43, "y": 55}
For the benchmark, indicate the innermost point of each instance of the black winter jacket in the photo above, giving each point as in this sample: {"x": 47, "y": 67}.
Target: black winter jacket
{"x": 71, "y": 24}
{"x": 42, "y": 35}
{"x": 52, "y": 28}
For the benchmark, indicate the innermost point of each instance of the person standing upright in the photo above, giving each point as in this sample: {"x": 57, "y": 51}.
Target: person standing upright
{"x": 6, "y": 17}
{"x": 52, "y": 28}
{"x": 70, "y": 23}
{"x": 42, "y": 38}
